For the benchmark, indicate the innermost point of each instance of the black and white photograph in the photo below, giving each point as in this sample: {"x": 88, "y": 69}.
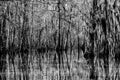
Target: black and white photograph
{"x": 59, "y": 39}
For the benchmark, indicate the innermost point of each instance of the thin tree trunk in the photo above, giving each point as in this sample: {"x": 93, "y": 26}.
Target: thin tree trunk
{"x": 106, "y": 49}
{"x": 59, "y": 47}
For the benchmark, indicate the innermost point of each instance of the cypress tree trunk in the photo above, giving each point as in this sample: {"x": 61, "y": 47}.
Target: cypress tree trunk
{"x": 91, "y": 52}
{"x": 3, "y": 49}
{"x": 106, "y": 49}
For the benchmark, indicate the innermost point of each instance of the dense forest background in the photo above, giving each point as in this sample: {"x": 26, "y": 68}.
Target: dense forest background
{"x": 59, "y": 39}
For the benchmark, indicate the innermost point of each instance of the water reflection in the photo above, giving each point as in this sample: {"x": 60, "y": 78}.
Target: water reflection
{"x": 49, "y": 65}
{"x": 44, "y": 66}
